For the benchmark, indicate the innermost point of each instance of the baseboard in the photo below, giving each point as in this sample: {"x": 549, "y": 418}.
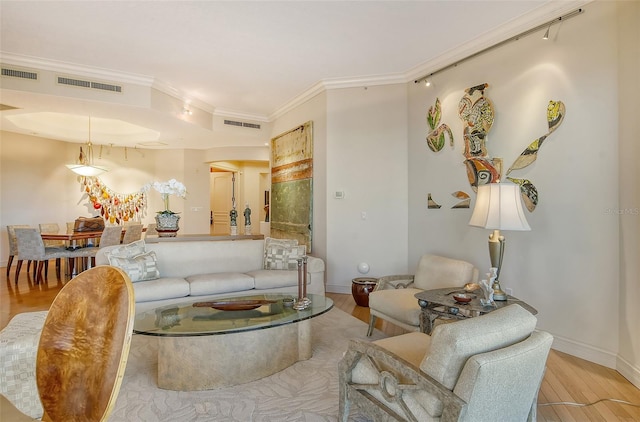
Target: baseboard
{"x": 583, "y": 351}
{"x": 628, "y": 371}
{"x": 336, "y": 288}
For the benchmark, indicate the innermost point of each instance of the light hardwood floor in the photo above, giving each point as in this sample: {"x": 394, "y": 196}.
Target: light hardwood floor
{"x": 568, "y": 379}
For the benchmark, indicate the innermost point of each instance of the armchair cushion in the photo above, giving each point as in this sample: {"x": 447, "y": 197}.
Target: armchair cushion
{"x": 401, "y": 304}
{"x": 435, "y": 272}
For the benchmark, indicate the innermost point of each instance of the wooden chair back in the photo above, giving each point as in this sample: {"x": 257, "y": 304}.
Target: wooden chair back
{"x": 84, "y": 346}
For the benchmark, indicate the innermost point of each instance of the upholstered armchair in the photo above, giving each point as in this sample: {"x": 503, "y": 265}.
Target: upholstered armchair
{"x": 394, "y": 300}
{"x": 487, "y": 368}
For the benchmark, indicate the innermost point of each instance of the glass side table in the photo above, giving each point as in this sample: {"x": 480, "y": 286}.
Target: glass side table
{"x": 439, "y": 303}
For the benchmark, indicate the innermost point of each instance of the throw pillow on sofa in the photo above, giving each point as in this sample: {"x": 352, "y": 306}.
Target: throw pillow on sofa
{"x": 129, "y": 250}
{"x": 138, "y": 268}
{"x": 282, "y": 257}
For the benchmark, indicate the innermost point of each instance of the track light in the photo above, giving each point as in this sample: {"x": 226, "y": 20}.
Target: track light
{"x": 546, "y": 34}
{"x": 186, "y": 111}
{"x": 427, "y": 82}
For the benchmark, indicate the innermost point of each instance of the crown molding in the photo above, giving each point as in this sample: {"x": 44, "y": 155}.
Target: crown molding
{"x": 74, "y": 69}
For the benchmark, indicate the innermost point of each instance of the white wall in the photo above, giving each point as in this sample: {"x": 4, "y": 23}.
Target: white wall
{"x": 366, "y": 159}
{"x": 568, "y": 265}
{"x": 629, "y": 124}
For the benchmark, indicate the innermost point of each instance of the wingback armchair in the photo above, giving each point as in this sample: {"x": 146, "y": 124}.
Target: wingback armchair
{"x": 487, "y": 368}
{"x": 394, "y": 300}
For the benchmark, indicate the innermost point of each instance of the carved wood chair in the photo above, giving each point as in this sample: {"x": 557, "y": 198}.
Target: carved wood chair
{"x": 487, "y": 368}
{"x": 83, "y": 348}
{"x": 394, "y": 300}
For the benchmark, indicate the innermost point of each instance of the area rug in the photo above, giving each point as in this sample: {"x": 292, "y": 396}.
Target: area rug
{"x": 306, "y": 391}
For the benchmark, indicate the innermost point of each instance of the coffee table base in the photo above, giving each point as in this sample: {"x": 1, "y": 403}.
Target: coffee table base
{"x": 188, "y": 363}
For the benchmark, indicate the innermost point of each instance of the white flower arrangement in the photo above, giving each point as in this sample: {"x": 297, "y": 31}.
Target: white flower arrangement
{"x": 170, "y": 187}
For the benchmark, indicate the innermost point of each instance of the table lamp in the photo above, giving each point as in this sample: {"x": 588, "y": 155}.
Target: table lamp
{"x": 498, "y": 207}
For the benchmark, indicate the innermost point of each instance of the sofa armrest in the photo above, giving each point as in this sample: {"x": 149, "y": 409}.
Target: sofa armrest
{"x": 401, "y": 281}
{"x": 389, "y": 382}
{"x": 314, "y": 265}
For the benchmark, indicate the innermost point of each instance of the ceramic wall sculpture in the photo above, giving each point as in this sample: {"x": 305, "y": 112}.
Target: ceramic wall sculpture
{"x": 465, "y": 199}
{"x": 476, "y": 113}
{"x": 431, "y": 204}
{"x": 555, "y": 116}
{"x": 436, "y": 138}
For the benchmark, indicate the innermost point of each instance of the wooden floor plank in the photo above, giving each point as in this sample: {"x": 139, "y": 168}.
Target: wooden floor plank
{"x": 567, "y": 378}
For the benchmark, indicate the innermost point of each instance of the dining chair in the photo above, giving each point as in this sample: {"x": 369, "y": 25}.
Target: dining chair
{"x": 52, "y": 228}
{"x": 83, "y": 348}
{"x": 13, "y": 244}
{"x": 111, "y": 236}
{"x": 31, "y": 247}
{"x": 151, "y": 230}
{"x": 132, "y": 233}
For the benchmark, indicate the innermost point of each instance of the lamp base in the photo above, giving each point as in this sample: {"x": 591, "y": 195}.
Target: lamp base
{"x": 498, "y": 294}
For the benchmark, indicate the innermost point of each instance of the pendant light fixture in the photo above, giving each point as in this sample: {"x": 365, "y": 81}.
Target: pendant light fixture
{"x": 85, "y": 166}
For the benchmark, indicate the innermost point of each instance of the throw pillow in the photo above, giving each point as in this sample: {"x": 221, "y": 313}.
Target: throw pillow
{"x": 281, "y": 257}
{"x": 138, "y": 268}
{"x": 294, "y": 253}
{"x": 269, "y": 251}
{"x": 129, "y": 250}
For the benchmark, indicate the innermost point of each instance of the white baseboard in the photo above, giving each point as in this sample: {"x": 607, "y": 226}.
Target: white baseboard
{"x": 583, "y": 351}
{"x": 628, "y": 371}
{"x": 337, "y": 288}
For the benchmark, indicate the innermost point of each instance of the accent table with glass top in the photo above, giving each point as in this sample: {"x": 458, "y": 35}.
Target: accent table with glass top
{"x": 202, "y": 348}
{"x": 439, "y": 303}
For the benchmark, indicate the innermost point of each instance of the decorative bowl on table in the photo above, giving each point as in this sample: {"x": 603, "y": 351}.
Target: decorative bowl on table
{"x": 463, "y": 297}
{"x": 234, "y": 305}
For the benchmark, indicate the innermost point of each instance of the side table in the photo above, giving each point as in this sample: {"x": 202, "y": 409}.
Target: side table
{"x": 439, "y": 303}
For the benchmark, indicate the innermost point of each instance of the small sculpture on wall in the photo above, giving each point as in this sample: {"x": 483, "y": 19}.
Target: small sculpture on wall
{"x": 555, "y": 116}
{"x": 431, "y": 204}
{"x": 476, "y": 113}
{"x": 465, "y": 199}
{"x": 436, "y": 138}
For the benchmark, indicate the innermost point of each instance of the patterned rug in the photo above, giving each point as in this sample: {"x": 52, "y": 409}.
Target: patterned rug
{"x": 306, "y": 391}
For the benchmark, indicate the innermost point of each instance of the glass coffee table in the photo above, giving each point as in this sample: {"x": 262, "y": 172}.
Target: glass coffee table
{"x": 228, "y": 341}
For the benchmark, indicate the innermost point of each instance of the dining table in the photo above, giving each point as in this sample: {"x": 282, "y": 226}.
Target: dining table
{"x": 72, "y": 238}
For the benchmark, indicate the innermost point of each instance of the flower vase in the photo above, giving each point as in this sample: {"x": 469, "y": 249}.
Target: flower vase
{"x": 167, "y": 224}
{"x": 167, "y": 220}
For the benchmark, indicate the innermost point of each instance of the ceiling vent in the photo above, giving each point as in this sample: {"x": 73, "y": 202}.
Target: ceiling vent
{"x": 89, "y": 84}
{"x": 22, "y": 74}
{"x": 241, "y": 124}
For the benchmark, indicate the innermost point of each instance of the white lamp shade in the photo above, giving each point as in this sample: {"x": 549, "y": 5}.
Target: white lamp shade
{"x": 86, "y": 170}
{"x": 499, "y": 206}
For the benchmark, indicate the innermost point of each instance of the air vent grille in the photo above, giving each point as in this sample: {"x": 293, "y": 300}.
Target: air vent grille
{"x": 241, "y": 124}
{"x": 89, "y": 84}
{"x": 14, "y": 73}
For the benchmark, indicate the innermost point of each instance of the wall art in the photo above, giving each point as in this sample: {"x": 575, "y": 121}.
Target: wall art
{"x": 436, "y": 138}
{"x": 291, "y": 203}
{"x": 476, "y": 113}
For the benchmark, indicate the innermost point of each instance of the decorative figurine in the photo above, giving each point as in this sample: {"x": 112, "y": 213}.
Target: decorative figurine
{"x": 247, "y": 220}
{"x": 234, "y": 224}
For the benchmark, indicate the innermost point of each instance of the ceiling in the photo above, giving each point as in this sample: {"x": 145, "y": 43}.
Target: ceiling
{"x": 235, "y": 60}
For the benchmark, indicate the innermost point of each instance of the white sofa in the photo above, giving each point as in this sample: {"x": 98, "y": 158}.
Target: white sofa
{"x": 214, "y": 268}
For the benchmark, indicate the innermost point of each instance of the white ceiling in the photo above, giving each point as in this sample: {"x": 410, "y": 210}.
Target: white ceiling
{"x": 242, "y": 60}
